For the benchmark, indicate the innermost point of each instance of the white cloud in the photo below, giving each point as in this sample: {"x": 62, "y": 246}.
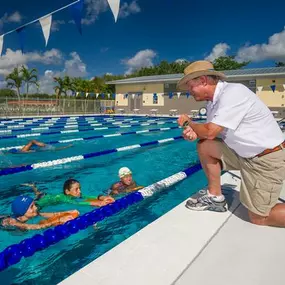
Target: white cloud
{"x": 16, "y": 17}
{"x": 56, "y": 24}
{"x": 12, "y": 59}
{"x": 217, "y": 51}
{"x": 75, "y": 67}
{"x": 273, "y": 50}
{"x": 109, "y": 73}
{"x": 93, "y": 9}
{"x": 128, "y": 9}
{"x": 143, "y": 58}
{"x": 181, "y": 60}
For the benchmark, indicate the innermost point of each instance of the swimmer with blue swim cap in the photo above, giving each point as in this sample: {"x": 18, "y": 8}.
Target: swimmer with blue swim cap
{"x": 36, "y": 146}
{"x": 24, "y": 208}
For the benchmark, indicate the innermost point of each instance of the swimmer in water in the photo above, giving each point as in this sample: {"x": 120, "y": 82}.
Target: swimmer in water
{"x": 126, "y": 183}
{"x": 24, "y": 209}
{"x": 34, "y": 146}
{"x": 71, "y": 195}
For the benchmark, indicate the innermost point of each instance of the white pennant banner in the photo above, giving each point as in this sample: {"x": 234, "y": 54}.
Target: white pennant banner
{"x": 46, "y": 25}
{"x": 259, "y": 88}
{"x": 87, "y": 94}
{"x": 133, "y": 96}
{"x": 108, "y": 95}
{"x": 178, "y": 94}
{"x": 1, "y": 44}
{"x": 283, "y": 84}
{"x": 77, "y": 93}
{"x": 97, "y": 95}
{"x": 115, "y": 7}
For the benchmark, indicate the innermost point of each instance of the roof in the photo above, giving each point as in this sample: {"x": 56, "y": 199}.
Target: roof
{"x": 239, "y": 74}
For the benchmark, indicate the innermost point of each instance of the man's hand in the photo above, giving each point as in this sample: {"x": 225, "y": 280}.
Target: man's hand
{"x": 189, "y": 134}
{"x": 183, "y": 119}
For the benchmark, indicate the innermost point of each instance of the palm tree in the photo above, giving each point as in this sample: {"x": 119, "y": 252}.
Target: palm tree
{"x": 60, "y": 88}
{"x": 29, "y": 77}
{"x": 15, "y": 80}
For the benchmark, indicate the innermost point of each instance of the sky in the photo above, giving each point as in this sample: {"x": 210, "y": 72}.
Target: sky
{"x": 146, "y": 32}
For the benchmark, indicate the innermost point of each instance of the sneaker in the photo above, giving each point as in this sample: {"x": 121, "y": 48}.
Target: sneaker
{"x": 201, "y": 201}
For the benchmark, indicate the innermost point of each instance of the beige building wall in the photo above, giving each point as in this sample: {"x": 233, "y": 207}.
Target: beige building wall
{"x": 270, "y": 98}
{"x": 146, "y": 89}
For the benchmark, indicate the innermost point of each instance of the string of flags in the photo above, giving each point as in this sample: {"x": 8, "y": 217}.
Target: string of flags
{"x": 76, "y": 9}
{"x": 273, "y": 87}
{"x": 155, "y": 95}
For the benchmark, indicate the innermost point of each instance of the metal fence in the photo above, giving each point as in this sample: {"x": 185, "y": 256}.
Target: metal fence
{"x": 64, "y": 106}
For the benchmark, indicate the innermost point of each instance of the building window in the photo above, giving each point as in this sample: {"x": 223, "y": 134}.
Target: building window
{"x": 155, "y": 99}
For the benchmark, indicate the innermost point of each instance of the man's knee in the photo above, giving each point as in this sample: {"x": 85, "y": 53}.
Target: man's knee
{"x": 257, "y": 219}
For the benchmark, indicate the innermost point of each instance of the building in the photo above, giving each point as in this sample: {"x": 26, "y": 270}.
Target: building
{"x": 159, "y": 94}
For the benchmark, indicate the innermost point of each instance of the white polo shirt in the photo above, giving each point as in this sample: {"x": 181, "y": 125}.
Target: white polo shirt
{"x": 250, "y": 127}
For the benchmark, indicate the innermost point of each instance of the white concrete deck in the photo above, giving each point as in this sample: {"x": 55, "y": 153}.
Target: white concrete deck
{"x": 186, "y": 247}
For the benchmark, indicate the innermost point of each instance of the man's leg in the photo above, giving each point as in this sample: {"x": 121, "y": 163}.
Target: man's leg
{"x": 276, "y": 217}
{"x": 261, "y": 187}
{"x": 214, "y": 156}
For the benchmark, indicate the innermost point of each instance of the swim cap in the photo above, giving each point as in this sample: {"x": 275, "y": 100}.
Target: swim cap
{"x": 124, "y": 171}
{"x": 21, "y": 204}
{"x": 13, "y": 150}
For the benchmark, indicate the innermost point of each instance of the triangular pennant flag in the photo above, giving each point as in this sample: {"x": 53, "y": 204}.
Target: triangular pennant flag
{"x": 87, "y": 94}
{"x": 1, "y": 44}
{"x": 273, "y": 87}
{"x": 178, "y": 94}
{"x": 46, "y": 25}
{"x": 97, "y": 95}
{"x": 76, "y": 12}
{"x": 187, "y": 94}
{"x": 126, "y": 96}
{"x": 77, "y": 93}
{"x": 133, "y": 96}
{"x": 115, "y": 7}
{"x": 170, "y": 95}
{"x": 259, "y": 88}
{"x": 108, "y": 95}
{"x": 283, "y": 84}
{"x": 21, "y": 34}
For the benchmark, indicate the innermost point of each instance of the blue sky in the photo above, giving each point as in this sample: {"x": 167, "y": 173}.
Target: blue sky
{"x": 146, "y": 32}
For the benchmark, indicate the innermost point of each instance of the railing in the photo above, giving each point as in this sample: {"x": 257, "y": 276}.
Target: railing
{"x": 36, "y": 106}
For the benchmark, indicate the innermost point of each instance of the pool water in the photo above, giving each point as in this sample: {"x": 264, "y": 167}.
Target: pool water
{"x": 149, "y": 164}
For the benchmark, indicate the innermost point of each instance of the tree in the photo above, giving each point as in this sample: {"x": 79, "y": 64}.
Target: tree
{"x": 60, "y": 88}
{"x": 30, "y": 77}
{"x": 279, "y": 64}
{"x": 228, "y": 63}
{"x": 15, "y": 80}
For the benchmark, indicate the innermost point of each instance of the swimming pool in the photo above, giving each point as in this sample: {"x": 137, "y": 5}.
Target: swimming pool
{"x": 149, "y": 164}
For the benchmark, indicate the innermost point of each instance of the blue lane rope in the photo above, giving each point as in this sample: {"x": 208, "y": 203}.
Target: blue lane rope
{"x": 28, "y": 247}
{"x": 70, "y": 123}
{"x": 8, "y": 171}
{"x": 97, "y": 137}
{"x": 81, "y": 127}
{"x": 85, "y": 130}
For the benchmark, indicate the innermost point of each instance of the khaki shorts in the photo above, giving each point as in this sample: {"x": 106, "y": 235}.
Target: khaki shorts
{"x": 262, "y": 178}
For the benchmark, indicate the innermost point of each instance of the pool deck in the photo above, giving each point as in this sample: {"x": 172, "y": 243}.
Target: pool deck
{"x": 186, "y": 247}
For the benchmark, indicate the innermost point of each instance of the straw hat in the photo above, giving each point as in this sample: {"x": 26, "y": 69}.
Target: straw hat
{"x": 196, "y": 69}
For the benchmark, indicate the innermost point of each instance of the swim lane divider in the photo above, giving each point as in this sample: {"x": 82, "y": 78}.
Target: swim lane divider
{"x": 13, "y": 170}
{"x": 14, "y": 253}
{"x": 98, "y": 137}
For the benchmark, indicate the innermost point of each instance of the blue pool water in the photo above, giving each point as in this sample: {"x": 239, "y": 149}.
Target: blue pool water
{"x": 149, "y": 164}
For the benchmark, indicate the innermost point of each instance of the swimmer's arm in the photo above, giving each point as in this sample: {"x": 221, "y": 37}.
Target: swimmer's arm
{"x": 34, "y": 187}
{"x": 115, "y": 189}
{"x": 50, "y": 215}
{"x": 64, "y": 147}
{"x": 22, "y": 226}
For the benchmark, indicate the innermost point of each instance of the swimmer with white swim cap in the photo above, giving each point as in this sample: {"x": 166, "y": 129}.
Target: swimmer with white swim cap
{"x": 126, "y": 183}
